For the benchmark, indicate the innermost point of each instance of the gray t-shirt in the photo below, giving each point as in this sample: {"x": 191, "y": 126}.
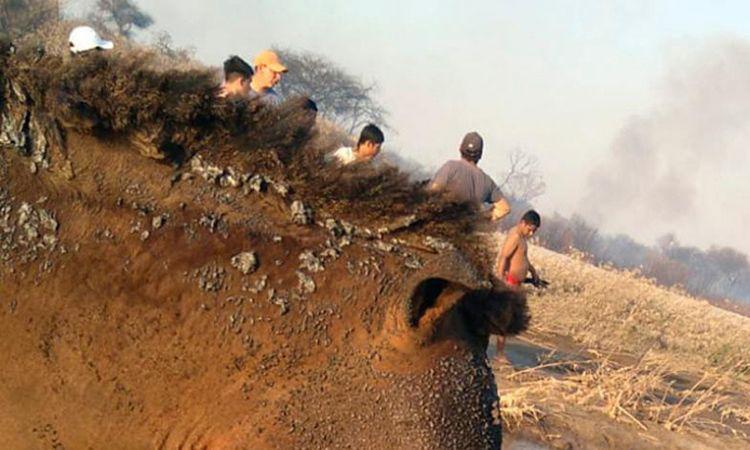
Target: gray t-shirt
{"x": 269, "y": 97}
{"x": 465, "y": 182}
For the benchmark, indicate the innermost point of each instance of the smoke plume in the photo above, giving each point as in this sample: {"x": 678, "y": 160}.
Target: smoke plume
{"x": 684, "y": 164}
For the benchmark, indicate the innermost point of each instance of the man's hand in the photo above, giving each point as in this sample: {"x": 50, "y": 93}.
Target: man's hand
{"x": 500, "y": 209}
{"x": 537, "y": 282}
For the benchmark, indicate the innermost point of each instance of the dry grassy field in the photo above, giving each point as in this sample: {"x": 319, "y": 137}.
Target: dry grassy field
{"x": 622, "y": 363}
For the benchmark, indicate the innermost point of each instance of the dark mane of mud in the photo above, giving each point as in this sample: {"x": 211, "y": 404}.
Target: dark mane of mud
{"x": 176, "y": 114}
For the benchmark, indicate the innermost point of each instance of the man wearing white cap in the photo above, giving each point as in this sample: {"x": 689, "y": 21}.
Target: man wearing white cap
{"x": 268, "y": 71}
{"x": 83, "y": 39}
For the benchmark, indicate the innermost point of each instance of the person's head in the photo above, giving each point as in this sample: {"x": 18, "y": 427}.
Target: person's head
{"x": 237, "y": 75}
{"x": 471, "y": 147}
{"x": 529, "y": 223}
{"x": 83, "y": 39}
{"x": 268, "y": 70}
{"x": 370, "y": 140}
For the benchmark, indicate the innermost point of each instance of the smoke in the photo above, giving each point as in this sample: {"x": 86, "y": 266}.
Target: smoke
{"x": 683, "y": 165}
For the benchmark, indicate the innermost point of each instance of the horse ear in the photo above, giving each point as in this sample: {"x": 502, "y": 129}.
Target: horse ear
{"x": 498, "y": 310}
{"x": 435, "y": 305}
{"x": 431, "y": 300}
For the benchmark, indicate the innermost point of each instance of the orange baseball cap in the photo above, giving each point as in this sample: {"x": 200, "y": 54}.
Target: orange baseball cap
{"x": 269, "y": 59}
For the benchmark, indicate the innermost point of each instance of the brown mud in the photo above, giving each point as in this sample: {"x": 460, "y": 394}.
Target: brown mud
{"x": 180, "y": 272}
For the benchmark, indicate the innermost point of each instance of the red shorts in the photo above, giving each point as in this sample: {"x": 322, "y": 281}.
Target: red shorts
{"x": 512, "y": 281}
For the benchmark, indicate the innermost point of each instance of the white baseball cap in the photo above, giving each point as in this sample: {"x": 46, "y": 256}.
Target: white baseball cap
{"x": 85, "y": 38}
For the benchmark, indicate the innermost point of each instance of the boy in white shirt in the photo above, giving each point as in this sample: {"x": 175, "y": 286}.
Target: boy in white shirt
{"x": 370, "y": 140}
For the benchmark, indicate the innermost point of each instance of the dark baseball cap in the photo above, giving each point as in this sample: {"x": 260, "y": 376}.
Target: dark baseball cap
{"x": 471, "y": 145}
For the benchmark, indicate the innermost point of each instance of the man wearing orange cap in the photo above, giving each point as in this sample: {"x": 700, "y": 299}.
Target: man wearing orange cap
{"x": 268, "y": 71}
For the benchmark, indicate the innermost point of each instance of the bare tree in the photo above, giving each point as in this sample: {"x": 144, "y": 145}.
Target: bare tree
{"x": 123, "y": 14}
{"x": 163, "y": 43}
{"x": 523, "y": 180}
{"x": 341, "y": 97}
{"x": 21, "y": 17}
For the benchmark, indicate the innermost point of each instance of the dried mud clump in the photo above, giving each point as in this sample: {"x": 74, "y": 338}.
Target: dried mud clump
{"x": 26, "y": 230}
{"x": 301, "y": 214}
{"x": 310, "y": 262}
{"x": 210, "y": 277}
{"x": 245, "y": 262}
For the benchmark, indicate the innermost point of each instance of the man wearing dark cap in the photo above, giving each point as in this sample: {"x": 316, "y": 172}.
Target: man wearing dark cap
{"x": 463, "y": 181}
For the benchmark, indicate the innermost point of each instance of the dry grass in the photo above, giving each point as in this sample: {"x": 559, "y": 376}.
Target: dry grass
{"x": 653, "y": 356}
{"x": 619, "y": 312}
{"x": 646, "y": 393}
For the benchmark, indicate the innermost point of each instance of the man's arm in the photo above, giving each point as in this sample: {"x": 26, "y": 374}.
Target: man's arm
{"x": 503, "y": 259}
{"x": 500, "y": 209}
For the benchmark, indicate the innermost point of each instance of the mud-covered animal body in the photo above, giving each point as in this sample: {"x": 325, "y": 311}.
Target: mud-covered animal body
{"x": 208, "y": 299}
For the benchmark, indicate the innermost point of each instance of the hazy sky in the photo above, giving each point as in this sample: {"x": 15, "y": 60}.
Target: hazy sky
{"x": 601, "y": 91}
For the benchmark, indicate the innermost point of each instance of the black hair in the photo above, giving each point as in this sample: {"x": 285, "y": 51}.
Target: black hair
{"x": 371, "y": 133}
{"x": 532, "y": 218}
{"x": 235, "y": 66}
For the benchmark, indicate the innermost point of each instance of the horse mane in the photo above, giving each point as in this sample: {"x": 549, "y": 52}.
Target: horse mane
{"x": 175, "y": 117}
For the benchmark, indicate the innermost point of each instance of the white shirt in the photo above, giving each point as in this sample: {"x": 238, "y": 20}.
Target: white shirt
{"x": 345, "y": 155}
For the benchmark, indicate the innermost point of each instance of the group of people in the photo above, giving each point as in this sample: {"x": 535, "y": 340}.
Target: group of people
{"x": 242, "y": 80}
{"x": 461, "y": 180}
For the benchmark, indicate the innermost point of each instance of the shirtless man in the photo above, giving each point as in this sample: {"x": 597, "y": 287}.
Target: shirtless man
{"x": 513, "y": 260}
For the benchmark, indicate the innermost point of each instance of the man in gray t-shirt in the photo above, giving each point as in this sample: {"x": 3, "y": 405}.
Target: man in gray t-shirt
{"x": 463, "y": 181}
